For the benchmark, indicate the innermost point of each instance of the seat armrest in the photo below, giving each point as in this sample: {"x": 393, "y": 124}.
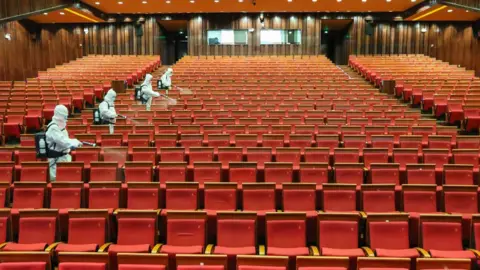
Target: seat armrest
{"x": 104, "y": 247}
{"x": 423, "y": 252}
{"x": 313, "y": 250}
{"x": 368, "y": 251}
{"x": 209, "y": 249}
{"x": 157, "y": 248}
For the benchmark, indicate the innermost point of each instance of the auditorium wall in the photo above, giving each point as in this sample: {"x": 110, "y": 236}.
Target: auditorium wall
{"x": 451, "y": 42}
{"x": 122, "y": 38}
{"x": 310, "y": 25}
{"x": 23, "y": 56}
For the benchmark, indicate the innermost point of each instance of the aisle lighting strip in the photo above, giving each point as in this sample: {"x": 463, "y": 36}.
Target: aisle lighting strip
{"x": 81, "y": 15}
{"x": 429, "y": 13}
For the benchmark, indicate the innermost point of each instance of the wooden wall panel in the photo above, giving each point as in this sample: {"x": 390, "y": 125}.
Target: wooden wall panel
{"x": 121, "y": 39}
{"x": 9, "y": 8}
{"x": 23, "y": 57}
{"x": 449, "y": 42}
{"x": 310, "y": 25}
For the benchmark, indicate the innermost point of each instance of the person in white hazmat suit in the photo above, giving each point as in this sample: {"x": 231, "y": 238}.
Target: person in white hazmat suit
{"x": 58, "y": 140}
{"x": 166, "y": 80}
{"x": 147, "y": 91}
{"x": 107, "y": 108}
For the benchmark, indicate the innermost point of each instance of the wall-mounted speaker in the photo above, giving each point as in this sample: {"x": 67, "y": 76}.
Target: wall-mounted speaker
{"x": 138, "y": 30}
{"x": 476, "y": 29}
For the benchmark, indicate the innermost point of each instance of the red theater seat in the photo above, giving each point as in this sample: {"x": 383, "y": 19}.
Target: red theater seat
{"x": 185, "y": 233}
{"x": 87, "y": 231}
{"x": 136, "y": 231}
{"x": 236, "y": 233}
{"x": 338, "y": 235}
{"x": 37, "y": 229}
{"x": 181, "y": 196}
{"x": 141, "y": 196}
{"x": 338, "y": 197}
{"x": 388, "y": 235}
{"x": 286, "y": 234}
{"x": 378, "y": 198}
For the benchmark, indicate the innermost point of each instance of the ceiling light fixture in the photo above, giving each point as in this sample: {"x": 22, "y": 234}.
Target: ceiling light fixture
{"x": 289, "y": 1}
{"x": 388, "y": 1}
{"x": 216, "y": 1}
{"x": 241, "y": 1}
{"x": 467, "y": 10}
{"x": 339, "y": 1}
{"x": 62, "y": 13}
{"x": 45, "y": 13}
{"x": 120, "y": 3}
{"x": 450, "y": 10}
{"x": 413, "y": 1}
{"x": 144, "y": 2}
{"x": 314, "y": 1}
{"x": 97, "y": 3}
{"x": 168, "y": 2}
{"x": 364, "y": 1}
{"x": 192, "y": 1}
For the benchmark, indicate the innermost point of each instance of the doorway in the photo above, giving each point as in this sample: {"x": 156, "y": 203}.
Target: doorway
{"x": 173, "y": 40}
{"x": 335, "y": 40}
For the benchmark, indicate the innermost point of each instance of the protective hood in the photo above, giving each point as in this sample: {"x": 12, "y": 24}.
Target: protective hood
{"x": 110, "y": 97}
{"x": 60, "y": 116}
{"x": 169, "y": 72}
{"x": 148, "y": 80}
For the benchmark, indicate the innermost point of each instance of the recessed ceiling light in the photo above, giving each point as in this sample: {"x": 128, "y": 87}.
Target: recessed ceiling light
{"x": 168, "y": 2}
{"x": 192, "y": 1}
{"x": 120, "y": 3}
{"x": 364, "y": 1}
{"x": 45, "y": 13}
{"x": 413, "y": 1}
{"x": 388, "y": 1}
{"x": 97, "y": 3}
{"x": 240, "y": 1}
{"x": 144, "y": 2}
{"x": 216, "y": 1}
{"x": 62, "y": 13}
{"x": 290, "y": 0}
{"x": 467, "y": 10}
{"x": 450, "y": 10}
{"x": 314, "y": 1}
{"x": 339, "y": 1}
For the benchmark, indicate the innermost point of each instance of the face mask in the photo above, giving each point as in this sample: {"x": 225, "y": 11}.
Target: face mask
{"x": 62, "y": 123}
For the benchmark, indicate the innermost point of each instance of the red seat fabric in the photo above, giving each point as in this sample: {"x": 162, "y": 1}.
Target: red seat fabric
{"x": 184, "y": 236}
{"x": 181, "y": 199}
{"x": 200, "y": 267}
{"x": 82, "y": 266}
{"x": 62, "y": 247}
{"x": 25, "y": 247}
{"x": 142, "y": 198}
{"x": 286, "y": 237}
{"x": 23, "y": 265}
{"x": 339, "y": 238}
{"x": 353, "y": 252}
{"x": 235, "y": 237}
{"x": 398, "y": 253}
{"x": 35, "y": 233}
{"x": 252, "y": 267}
{"x": 84, "y": 235}
{"x": 140, "y": 267}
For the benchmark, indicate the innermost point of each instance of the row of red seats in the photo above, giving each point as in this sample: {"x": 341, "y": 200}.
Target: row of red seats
{"x": 257, "y": 197}
{"x": 339, "y": 234}
{"x": 243, "y": 172}
{"x": 135, "y": 261}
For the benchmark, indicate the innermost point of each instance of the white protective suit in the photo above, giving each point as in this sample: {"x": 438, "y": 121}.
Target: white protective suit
{"x": 166, "y": 79}
{"x": 107, "y": 107}
{"x": 58, "y": 140}
{"x": 147, "y": 91}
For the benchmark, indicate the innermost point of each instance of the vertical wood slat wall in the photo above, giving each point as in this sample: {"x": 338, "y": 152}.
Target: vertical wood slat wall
{"x": 23, "y": 57}
{"x": 310, "y": 25}
{"x": 121, "y": 39}
{"x": 453, "y": 43}
{"x": 9, "y": 8}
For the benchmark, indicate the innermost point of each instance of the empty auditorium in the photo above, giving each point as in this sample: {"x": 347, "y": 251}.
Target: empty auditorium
{"x": 239, "y": 134}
